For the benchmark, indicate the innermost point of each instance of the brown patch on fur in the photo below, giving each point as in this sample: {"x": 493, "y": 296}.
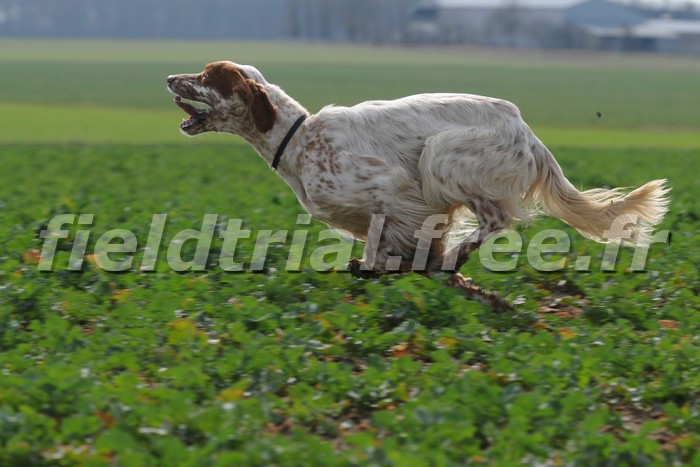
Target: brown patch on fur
{"x": 264, "y": 112}
{"x": 226, "y": 78}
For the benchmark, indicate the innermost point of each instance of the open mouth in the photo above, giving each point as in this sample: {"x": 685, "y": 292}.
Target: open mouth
{"x": 197, "y": 111}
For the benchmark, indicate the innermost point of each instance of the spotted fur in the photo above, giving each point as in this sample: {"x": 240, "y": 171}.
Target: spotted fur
{"x": 470, "y": 158}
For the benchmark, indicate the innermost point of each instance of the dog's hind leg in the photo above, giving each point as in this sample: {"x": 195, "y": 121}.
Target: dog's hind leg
{"x": 492, "y": 218}
{"x": 485, "y": 169}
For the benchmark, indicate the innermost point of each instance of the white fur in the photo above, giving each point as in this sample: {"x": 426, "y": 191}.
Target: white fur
{"x": 469, "y": 157}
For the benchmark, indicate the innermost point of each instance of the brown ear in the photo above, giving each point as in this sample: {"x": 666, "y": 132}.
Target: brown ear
{"x": 264, "y": 113}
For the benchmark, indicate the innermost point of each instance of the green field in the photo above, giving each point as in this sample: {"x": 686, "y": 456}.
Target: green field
{"x": 114, "y": 92}
{"x": 309, "y": 368}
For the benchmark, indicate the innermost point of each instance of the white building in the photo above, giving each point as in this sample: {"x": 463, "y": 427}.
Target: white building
{"x": 588, "y": 24}
{"x": 523, "y": 23}
{"x": 656, "y": 35}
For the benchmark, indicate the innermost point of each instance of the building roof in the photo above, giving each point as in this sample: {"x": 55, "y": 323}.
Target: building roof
{"x": 494, "y": 4}
{"x": 673, "y": 26}
{"x": 652, "y": 29}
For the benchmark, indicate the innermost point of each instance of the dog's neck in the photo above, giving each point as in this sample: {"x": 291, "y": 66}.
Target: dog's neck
{"x": 267, "y": 144}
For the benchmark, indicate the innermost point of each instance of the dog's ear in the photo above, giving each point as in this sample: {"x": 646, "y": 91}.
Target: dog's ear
{"x": 263, "y": 111}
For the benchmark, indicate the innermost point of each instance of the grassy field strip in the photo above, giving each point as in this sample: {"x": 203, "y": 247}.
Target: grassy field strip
{"x": 95, "y": 124}
{"x": 617, "y": 138}
{"x": 296, "y": 53}
{"x": 576, "y": 92}
{"x": 33, "y": 123}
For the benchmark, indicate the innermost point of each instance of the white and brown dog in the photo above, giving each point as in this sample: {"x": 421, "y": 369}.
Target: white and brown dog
{"x": 462, "y": 156}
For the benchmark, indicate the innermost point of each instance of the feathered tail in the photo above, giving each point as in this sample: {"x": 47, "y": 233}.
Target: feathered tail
{"x": 597, "y": 214}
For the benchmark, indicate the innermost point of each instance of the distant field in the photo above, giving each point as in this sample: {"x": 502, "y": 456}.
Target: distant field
{"x": 307, "y": 368}
{"x": 74, "y": 87}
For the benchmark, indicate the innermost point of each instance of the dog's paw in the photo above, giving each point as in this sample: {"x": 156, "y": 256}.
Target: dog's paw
{"x": 357, "y": 270}
{"x": 458, "y": 280}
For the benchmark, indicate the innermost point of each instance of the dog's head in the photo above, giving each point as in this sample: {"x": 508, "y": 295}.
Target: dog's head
{"x": 224, "y": 97}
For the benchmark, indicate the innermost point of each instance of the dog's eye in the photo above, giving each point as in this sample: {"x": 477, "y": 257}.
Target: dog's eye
{"x": 205, "y": 76}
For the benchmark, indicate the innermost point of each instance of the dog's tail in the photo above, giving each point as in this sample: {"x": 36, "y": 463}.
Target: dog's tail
{"x": 599, "y": 214}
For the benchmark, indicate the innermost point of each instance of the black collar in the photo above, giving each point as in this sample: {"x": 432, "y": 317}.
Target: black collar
{"x": 286, "y": 140}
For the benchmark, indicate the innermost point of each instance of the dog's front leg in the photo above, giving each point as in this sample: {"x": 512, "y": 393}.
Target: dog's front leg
{"x": 390, "y": 251}
{"x": 358, "y": 269}
{"x": 374, "y": 259}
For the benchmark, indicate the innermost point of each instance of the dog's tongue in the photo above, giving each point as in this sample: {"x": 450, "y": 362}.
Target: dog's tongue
{"x": 189, "y": 108}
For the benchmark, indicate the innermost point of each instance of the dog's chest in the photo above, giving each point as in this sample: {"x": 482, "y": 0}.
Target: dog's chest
{"x": 341, "y": 206}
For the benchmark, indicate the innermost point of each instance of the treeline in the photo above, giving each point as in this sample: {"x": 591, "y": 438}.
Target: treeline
{"x": 189, "y": 19}
{"x": 348, "y": 20}
{"x": 377, "y": 21}
{"x": 353, "y": 20}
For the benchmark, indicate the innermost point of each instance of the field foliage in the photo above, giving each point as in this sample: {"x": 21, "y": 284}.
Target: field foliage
{"x": 308, "y": 368}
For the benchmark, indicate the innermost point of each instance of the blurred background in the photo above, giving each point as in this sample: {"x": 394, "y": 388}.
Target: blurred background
{"x": 662, "y": 26}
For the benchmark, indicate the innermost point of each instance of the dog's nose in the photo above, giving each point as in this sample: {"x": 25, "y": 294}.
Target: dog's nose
{"x": 171, "y": 78}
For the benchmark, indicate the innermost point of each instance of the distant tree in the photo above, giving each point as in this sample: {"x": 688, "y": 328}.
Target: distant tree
{"x": 505, "y": 24}
{"x": 357, "y": 20}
